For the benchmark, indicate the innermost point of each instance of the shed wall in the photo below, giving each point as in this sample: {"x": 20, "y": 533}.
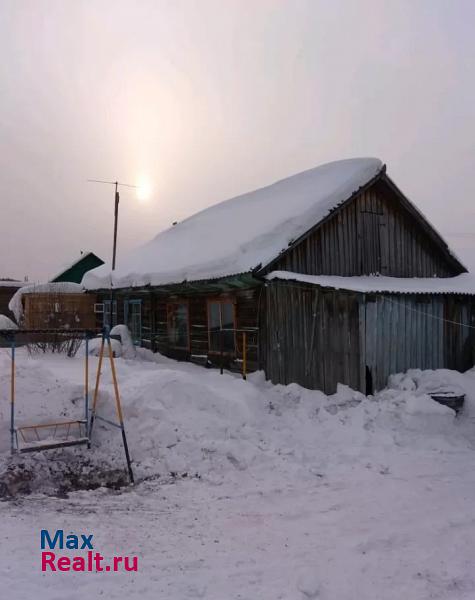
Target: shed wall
{"x": 58, "y": 311}
{"x": 311, "y": 336}
{"x": 319, "y": 337}
{"x": 373, "y": 234}
{"x": 413, "y": 331}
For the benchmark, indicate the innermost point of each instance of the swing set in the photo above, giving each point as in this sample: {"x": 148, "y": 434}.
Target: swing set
{"x": 64, "y": 433}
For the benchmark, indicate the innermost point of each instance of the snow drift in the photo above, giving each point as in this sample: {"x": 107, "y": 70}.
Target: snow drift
{"x": 183, "y": 419}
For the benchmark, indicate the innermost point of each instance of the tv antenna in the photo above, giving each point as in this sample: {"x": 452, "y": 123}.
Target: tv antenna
{"x": 116, "y": 210}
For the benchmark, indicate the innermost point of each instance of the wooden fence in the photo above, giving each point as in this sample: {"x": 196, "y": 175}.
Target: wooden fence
{"x": 59, "y": 311}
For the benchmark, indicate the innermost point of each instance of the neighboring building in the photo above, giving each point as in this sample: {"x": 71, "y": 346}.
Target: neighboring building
{"x": 334, "y": 275}
{"x": 58, "y": 305}
{"x": 76, "y": 271}
{"x": 8, "y": 287}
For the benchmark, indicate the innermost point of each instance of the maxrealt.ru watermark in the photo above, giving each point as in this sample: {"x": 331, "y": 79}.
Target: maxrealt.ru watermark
{"x": 88, "y": 561}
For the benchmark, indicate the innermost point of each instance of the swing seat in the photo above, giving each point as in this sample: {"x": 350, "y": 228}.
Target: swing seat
{"x": 32, "y": 438}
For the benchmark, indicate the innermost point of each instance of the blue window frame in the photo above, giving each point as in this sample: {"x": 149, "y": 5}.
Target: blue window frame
{"x": 133, "y": 319}
{"x": 107, "y": 321}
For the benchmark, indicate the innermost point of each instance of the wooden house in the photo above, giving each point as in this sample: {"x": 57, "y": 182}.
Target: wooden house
{"x": 333, "y": 275}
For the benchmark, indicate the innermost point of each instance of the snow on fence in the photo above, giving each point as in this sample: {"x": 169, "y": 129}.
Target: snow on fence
{"x": 59, "y": 311}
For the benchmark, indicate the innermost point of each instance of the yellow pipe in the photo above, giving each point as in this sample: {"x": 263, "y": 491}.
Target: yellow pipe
{"x": 98, "y": 376}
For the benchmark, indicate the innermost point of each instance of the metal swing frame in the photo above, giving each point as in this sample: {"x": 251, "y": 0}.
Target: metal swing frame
{"x": 120, "y": 425}
{"x": 19, "y": 442}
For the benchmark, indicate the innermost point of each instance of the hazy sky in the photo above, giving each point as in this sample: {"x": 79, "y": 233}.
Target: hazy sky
{"x": 211, "y": 98}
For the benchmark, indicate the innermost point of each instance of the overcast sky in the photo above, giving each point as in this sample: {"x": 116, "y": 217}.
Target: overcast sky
{"x": 203, "y": 100}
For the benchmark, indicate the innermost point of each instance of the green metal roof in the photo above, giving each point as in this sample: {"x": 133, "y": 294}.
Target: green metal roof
{"x": 75, "y": 272}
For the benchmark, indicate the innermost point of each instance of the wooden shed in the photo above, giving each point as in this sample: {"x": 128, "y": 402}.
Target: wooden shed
{"x": 362, "y": 330}
{"x": 333, "y": 275}
{"x": 59, "y": 311}
{"x": 59, "y": 305}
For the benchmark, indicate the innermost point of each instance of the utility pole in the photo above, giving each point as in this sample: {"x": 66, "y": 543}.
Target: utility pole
{"x": 116, "y": 222}
{"x": 116, "y": 212}
{"x": 114, "y": 245}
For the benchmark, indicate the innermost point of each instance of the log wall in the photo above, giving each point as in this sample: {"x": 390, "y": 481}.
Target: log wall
{"x": 155, "y": 329}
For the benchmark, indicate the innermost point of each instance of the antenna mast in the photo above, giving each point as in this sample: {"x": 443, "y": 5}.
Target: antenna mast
{"x": 116, "y": 212}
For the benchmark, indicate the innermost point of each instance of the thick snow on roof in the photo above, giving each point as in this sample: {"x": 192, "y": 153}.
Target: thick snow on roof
{"x": 63, "y": 287}
{"x": 7, "y": 323}
{"x": 461, "y": 284}
{"x": 237, "y": 235}
{"x": 11, "y": 283}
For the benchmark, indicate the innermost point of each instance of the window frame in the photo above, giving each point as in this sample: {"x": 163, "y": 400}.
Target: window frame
{"x": 110, "y": 310}
{"x": 128, "y": 303}
{"x": 187, "y": 304}
{"x": 221, "y": 301}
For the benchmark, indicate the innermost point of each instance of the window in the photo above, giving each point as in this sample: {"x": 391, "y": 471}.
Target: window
{"x": 133, "y": 319}
{"x": 178, "y": 325}
{"x": 106, "y": 315}
{"x": 221, "y": 326}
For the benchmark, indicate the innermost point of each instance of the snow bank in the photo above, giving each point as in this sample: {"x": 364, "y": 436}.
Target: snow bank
{"x": 181, "y": 418}
{"x": 237, "y": 235}
{"x": 94, "y": 347}
{"x": 7, "y": 323}
{"x": 121, "y": 348}
{"x": 301, "y": 495}
{"x": 128, "y": 348}
{"x": 16, "y": 304}
{"x": 440, "y": 382}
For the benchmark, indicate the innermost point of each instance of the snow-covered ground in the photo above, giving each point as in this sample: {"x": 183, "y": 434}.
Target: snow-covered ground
{"x": 248, "y": 490}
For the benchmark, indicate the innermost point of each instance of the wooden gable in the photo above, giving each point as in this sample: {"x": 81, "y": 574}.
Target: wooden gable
{"x": 376, "y": 231}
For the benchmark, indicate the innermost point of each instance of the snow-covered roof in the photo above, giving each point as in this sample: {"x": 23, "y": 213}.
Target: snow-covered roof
{"x": 63, "y": 287}
{"x": 67, "y": 266}
{"x": 7, "y": 323}
{"x": 460, "y": 284}
{"x": 11, "y": 283}
{"x": 238, "y": 235}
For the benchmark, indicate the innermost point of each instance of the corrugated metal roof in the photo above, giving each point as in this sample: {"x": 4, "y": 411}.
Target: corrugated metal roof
{"x": 461, "y": 284}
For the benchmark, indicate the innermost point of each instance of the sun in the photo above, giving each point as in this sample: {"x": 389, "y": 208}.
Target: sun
{"x": 144, "y": 190}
